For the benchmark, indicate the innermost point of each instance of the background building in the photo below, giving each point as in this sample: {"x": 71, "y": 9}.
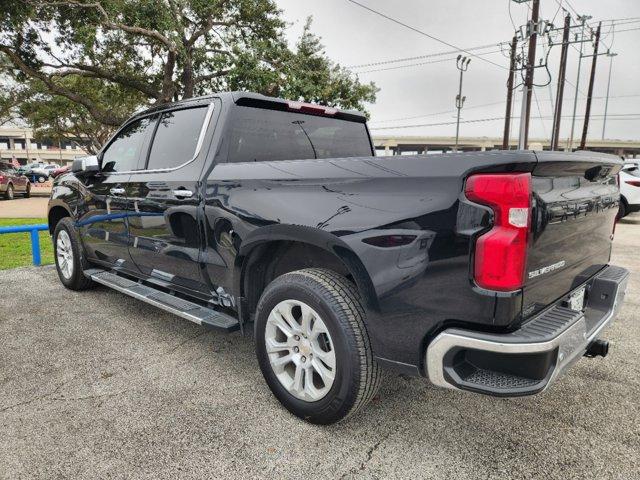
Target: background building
{"x": 401, "y": 145}
{"x": 19, "y": 143}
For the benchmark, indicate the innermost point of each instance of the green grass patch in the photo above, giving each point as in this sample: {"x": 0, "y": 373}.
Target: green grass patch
{"x": 15, "y": 248}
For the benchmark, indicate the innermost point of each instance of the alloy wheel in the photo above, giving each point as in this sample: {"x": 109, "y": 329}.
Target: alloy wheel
{"x": 300, "y": 349}
{"x": 64, "y": 254}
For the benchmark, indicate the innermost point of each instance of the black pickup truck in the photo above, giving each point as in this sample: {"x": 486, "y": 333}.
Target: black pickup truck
{"x": 483, "y": 271}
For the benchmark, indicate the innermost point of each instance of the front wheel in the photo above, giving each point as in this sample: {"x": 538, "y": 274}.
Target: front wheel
{"x": 622, "y": 212}
{"x": 69, "y": 257}
{"x": 313, "y": 347}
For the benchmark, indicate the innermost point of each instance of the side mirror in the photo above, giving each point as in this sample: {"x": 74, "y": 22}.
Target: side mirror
{"x": 85, "y": 166}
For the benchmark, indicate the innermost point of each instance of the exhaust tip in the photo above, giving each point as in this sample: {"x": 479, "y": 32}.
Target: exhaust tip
{"x": 597, "y": 348}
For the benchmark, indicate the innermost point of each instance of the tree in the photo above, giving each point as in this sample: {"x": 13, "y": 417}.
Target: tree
{"x": 94, "y": 62}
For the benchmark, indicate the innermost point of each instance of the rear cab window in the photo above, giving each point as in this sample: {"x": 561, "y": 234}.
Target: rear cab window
{"x": 176, "y": 137}
{"x": 261, "y": 134}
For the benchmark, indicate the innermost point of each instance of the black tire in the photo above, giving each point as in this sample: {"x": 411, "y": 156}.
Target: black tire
{"x": 42, "y": 179}
{"x": 27, "y": 192}
{"x": 623, "y": 211}
{"x": 76, "y": 280}
{"x": 336, "y": 300}
{"x": 8, "y": 194}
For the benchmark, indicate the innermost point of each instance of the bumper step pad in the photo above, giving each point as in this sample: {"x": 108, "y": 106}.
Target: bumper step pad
{"x": 191, "y": 311}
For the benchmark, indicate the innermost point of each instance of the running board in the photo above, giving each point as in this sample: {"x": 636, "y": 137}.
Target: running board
{"x": 191, "y": 311}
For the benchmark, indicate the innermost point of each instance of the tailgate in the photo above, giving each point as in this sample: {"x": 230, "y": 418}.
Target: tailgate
{"x": 575, "y": 203}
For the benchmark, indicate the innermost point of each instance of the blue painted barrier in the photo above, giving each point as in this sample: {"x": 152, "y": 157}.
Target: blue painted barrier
{"x": 35, "y": 238}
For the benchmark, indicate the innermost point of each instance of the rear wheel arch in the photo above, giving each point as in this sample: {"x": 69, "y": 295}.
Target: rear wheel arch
{"x": 260, "y": 262}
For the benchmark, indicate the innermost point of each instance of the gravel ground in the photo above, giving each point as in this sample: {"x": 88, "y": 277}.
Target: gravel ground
{"x": 97, "y": 385}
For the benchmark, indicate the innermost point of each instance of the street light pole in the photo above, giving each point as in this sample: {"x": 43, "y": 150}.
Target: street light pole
{"x": 606, "y": 104}
{"x": 462, "y": 64}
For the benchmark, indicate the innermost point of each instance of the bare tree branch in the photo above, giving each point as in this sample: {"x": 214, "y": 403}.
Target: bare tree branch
{"x": 98, "y": 114}
{"x": 96, "y": 72}
{"x": 210, "y": 76}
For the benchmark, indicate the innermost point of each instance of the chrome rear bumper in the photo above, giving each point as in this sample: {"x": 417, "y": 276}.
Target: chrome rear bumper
{"x": 528, "y": 360}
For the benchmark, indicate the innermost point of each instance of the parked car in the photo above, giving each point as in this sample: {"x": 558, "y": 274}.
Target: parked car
{"x": 25, "y": 169}
{"x": 38, "y": 171}
{"x": 629, "y": 179}
{"x": 43, "y": 172}
{"x": 239, "y": 211}
{"x": 11, "y": 182}
{"x": 60, "y": 171}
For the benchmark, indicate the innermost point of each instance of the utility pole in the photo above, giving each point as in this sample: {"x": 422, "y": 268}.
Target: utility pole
{"x": 507, "y": 116}
{"x": 587, "y": 112}
{"x": 462, "y": 64}
{"x": 527, "y": 91}
{"x": 583, "y": 19}
{"x": 557, "y": 114}
{"x": 606, "y": 104}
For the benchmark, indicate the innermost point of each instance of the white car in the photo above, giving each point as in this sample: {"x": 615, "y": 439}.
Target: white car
{"x": 629, "y": 179}
{"x": 43, "y": 172}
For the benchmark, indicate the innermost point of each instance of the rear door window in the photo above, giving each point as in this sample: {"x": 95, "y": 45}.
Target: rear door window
{"x": 124, "y": 151}
{"x": 258, "y": 135}
{"x": 176, "y": 138}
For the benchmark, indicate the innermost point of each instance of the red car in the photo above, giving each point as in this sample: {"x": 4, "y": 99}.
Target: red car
{"x": 11, "y": 182}
{"x": 60, "y": 171}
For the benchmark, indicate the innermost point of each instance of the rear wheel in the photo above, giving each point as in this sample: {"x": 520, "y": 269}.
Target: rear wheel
{"x": 27, "y": 192}
{"x": 8, "y": 194}
{"x": 313, "y": 347}
{"x": 69, "y": 257}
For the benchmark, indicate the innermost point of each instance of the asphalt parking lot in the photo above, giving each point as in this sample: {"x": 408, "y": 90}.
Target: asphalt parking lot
{"x": 97, "y": 385}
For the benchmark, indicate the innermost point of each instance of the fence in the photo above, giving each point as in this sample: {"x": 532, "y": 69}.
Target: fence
{"x": 35, "y": 238}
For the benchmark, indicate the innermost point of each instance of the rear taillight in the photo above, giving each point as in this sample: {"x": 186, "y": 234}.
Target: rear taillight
{"x": 635, "y": 183}
{"x": 501, "y": 253}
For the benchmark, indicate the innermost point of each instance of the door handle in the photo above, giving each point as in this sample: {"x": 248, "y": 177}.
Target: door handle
{"x": 117, "y": 191}
{"x": 183, "y": 193}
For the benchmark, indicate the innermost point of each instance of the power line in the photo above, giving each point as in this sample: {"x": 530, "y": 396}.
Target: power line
{"x": 620, "y": 116}
{"x": 438, "y": 113}
{"x": 445, "y": 112}
{"x": 628, "y": 30}
{"x": 420, "y": 57}
{"x": 544, "y": 127}
{"x": 425, "y": 34}
{"x": 559, "y": 2}
{"x": 419, "y": 64}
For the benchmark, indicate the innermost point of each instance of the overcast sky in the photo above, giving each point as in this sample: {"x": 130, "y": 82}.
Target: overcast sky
{"x": 354, "y": 36}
